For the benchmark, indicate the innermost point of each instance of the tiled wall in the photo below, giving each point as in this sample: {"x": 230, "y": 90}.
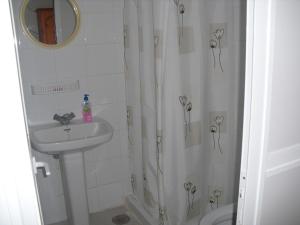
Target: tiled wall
{"x": 95, "y": 58}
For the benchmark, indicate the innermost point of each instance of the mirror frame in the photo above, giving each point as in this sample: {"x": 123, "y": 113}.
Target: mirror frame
{"x": 74, "y": 6}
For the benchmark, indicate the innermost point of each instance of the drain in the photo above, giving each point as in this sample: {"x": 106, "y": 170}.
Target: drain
{"x": 121, "y": 219}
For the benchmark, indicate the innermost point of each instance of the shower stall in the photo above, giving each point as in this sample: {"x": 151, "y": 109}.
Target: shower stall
{"x": 184, "y": 74}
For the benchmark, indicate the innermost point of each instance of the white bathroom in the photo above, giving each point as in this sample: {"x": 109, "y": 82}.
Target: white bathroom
{"x": 134, "y": 108}
{"x": 149, "y": 112}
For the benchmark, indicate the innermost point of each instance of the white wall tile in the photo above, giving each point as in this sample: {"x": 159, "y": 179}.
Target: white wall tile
{"x": 125, "y": 168}
{"x": 53, "y": 206}
{"x": 127, "y": 188}
{"x": 106, "y": 89}
{"x": 92, "y": 6}
{"x": 61, "y": 210}
{"x": 109, "y": 28}
{"x": 40, "y": 109}
{"x": 105, "y": 59}
{"x": 114, "y": 113}
{"x": 111, "y": 195}
{"x": 110, "y": 171}
{"x": 125, "y": 142}
{"x": 93, "y": 200}
{"x": 91, "y": 173}
{"x": 37, "y": 64}
{"x": 118, "y": 6}
{"x": 103, "y": 6}
{"x": 70, "y": 61}
{"x": 80, "y": 38}
{"x": 56, "y": 181}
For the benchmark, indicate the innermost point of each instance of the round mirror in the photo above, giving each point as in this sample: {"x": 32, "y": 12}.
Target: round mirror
{"x": 50, "y": 23}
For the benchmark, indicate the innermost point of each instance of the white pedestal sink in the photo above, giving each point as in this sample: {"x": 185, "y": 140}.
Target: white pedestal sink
{"x": 70, "y": 142}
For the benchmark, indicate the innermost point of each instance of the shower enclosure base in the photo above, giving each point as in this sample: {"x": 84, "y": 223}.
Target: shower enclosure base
{"x": 74, "y": 180}
{"x": 105, "y": 217}
{"x": 135, "y": 206}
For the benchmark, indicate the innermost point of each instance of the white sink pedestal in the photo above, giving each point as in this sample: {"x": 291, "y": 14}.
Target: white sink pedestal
{"x": 74, "y": 174}
{"x": 69, "y": 142}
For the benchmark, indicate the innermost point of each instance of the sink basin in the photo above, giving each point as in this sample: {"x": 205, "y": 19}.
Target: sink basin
{"x": 61, "y": 139}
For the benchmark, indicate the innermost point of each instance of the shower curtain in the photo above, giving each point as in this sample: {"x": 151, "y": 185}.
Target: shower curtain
{"x": 179, "y": 72}
{"x": 169, "y": 113}
{"x": 169, "y": 67}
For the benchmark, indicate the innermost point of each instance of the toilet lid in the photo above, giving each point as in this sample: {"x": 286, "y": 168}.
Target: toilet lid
{"x": 220, "y": 216}
{"x": 224, "y": 220}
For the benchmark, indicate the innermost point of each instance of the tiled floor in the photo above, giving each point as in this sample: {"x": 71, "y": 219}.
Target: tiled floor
{"x": 105, "y": 217}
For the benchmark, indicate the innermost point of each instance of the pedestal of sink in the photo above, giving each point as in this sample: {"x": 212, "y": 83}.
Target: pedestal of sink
{"x": 73, "y": 172}
{"x": 69, "y": 142}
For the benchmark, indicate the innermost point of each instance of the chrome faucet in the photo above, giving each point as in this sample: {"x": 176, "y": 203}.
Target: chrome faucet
{"x": 64, "y": 119}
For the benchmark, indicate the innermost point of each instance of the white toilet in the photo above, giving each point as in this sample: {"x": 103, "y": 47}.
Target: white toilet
{"x": 224, "y": 215}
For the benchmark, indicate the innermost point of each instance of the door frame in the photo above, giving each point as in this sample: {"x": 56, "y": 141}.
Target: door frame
{"x": 258, "y": 83}
{"x": 19, "y": 204}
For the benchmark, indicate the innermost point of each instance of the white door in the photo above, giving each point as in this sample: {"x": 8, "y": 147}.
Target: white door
{"x": 18, "y": 197}
{"x": 270, "y": 171}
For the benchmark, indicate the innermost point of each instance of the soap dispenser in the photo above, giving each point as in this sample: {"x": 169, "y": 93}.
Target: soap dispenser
{"x": 86, "y": 110}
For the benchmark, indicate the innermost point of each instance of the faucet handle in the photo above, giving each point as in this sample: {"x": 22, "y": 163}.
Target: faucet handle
{"x": 56, "y": 117}
{"x": 64, "y": 119}
{"x": 72, "y": 115}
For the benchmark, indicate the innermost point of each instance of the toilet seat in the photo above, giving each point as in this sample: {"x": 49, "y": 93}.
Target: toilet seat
{"x": 221, "y": 216}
